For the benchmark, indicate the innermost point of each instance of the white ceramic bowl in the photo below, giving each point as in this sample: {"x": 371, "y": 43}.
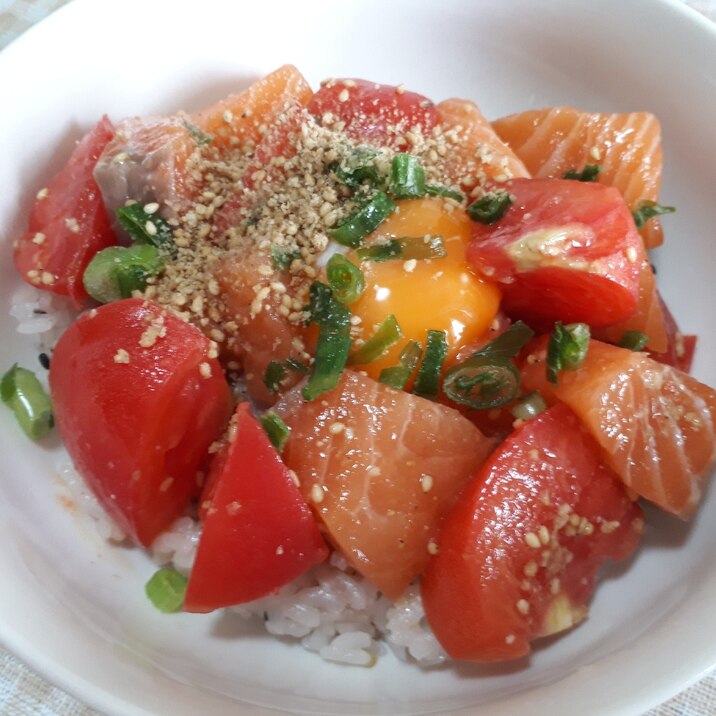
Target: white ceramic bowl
{"x": 74, "y": 608}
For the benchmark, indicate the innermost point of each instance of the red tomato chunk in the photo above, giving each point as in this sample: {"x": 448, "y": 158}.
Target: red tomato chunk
{"x": 519, "y": 554}
{"x": 564, "y": 251}
{"x": 68, "y": 223}
{"x": 258, "y": 532}
{"x": 138, "y": 401}
{"x": 373, "y": 113}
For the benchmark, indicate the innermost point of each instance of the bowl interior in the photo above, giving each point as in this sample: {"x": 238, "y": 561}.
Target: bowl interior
{"x": 74, "y": 607}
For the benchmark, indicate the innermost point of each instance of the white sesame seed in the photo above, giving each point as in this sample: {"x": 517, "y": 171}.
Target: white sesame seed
{"x": 510, "y": 639}
{"x": 374, "y": 472}
{"x": 38, "y": 238}
{"x": 233, "y": 507}
{"x": 317, "y": 493}
{"x": 433, "y": 547}
{"x": 151, "y": 208}
{"x": 42, "y": 194}
{"x": 595, "y": 154}
{"x": 166, "y": 484}
{"x": 336, "y": 428}
{"x": 343, "y": 95}
{"x": 426, "y": 482}
{"x": 409, "y": 266}
{"x": 554, "y": 586}
{"x": 205, "y": 370}
{"x": 631, "y": 254}
{"x": 150, "y": 228}
{"x": 543, "y": 535}
{"x": 609, "y": 526}
{"x": 47, "y": 278}
{"x": 523, "y": 606}
{"x": 279, "y": 550}
{"x": 121, "y": 356}
{"x": 530, "y": 569}
{"x": 294, "y": 477}
{"x": 532, "y": 540}
{"x": 73, "y": 225}
{"x": 227, "y": 116}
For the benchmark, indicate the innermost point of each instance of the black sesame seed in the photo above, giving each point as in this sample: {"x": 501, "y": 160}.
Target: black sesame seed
{"x": 44, "y": 360}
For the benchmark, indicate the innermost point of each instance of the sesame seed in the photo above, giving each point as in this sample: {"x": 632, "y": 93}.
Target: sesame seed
{"x": 227, "y": 116}
{"x": 151, "y": 208}
{"x": 336, "y": 428}
{"x": 409, "y": 266}
{"x": 42, "y": 194}
{"x": 595, "y": 154}
{"x": 530, "y": 569}
{"x": 205, "y": 370}
{"x": 609, "y": 527}
{"x": 72, "y": 225}
{"x": 233, "y": 507}
{"x": 121, "y": 356}
{"x": 150, "y": 228}
{"x": 426, "y": 482}
{"x": 554, "y": 586}
{"x": 294, "y": 477}
{"x": 343, "y": 95}
{"x": 523, "y": 606}
{"x": 38, "y": 238}
{"x": 279, "y": 550}
{"x": 532, "y": 540}
{"x": 543, "y": 535}
{"x": 166, "y": 484}
{"x": 374, "y": 472}
{"x": 631, "y": 254}
{"x": 317, "y": 493}
{"x": 510, "y": 639}
{"x": 433, "y": 547}
{"x": 47, "y": 278}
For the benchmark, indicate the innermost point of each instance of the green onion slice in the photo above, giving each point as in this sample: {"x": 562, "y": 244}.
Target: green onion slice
{"x": 276, "y": 372}
{"x": 567, "y": 348}
{"x": 427, "y": 382}
{"x": 282, "y": 258}
{"x": 364, "y": 220}
{"x": 482, "y": 382}
{"x": 200, "y": 137}
{"x": 443, "y": 191}
{"x": 530, "y": 406}
{"x": 334, "y": 340}
{"x": 407, "y": 177}
{"x": 489, "y": 208}
{"x": 387, "y": 335}
{"x": 144, "y": 228}
{"x": 345, "y": 278}
{"x": 276, "y": 429}
{"x": 397, "y": 376}
{"x": 645, "y": 210}
{"x": 406, "y": 248}
{"x": 589, "y": 173}
{"x": 166, "y": 589}
{"x": 360, "y": 168}
{"x": 117, "y": 271}
{"x": 23, "y": 393}
{"x": 508, "y": 344}
{"x": 634, "y": 340}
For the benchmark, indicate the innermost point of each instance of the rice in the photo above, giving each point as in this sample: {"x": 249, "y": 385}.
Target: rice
{"x": 331, "y": 610}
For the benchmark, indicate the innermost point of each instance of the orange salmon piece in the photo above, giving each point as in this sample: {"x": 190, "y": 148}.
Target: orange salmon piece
{"x": 240, "y": 120}
{"x": 655, "y": 424}
{"x": 380, "y": 467}
{"x": 477, "y": 156}
{"x": 627, "y": 146}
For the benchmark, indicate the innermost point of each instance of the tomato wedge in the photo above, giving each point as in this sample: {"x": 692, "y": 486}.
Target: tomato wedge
{"x": 137, "y": 401}
{"x": 373, "y": 113}
{"x": 258, "y": 531}
{"x": 519, "y": 554}
{"x": 68, "y": 223}
{"x": 565, "y": 250}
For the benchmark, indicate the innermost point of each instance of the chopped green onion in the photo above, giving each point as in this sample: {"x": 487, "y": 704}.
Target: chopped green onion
{"x": 334, "y": 340}
{"x": 364, "y": 220}
{"x": 482, "y": 382}
{"x": 397, "y": 376}
{"x": 387, "y": 335}
{"x": 117, "y": 271}
{"x": 634, "y": 340}
{"x": 166, "y": 589}
{"x": 23, "y": 393}
{"x": 427, "y": 382}
{"x": 645, "y": 210}
{"x": 407, "y": 177}
{"x": 406, "y": 248}
{"x": 567, "y": 348}
{"x": 589, "y": 173}
{"x": 508, "y": 344}
{"x": 530, "y": 406}
{"x": 276, "y": 371}
{"x": 200, "y": 137}
{"x": 443, "y": 191}
{"x": 276, "y": 429}
{"x": 282, "y": 258}
{"x": 489, "y": 208}
{"x": 346, "y": 279}
{"x": 144, "y": 228}
{"x": 361, "y": 168}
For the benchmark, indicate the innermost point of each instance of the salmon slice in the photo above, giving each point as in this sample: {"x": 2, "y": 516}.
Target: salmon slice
{"x": 627, "y": 146}
{"x": 146, "y": 162}
{"x": 240, "y": 120}
{"x": 655, "y": 424}
{"x": 263, "y": 332}
{"x": 649, "y": 317}
{"x": 477, "y": 156}
{"x": 380, "y": 467}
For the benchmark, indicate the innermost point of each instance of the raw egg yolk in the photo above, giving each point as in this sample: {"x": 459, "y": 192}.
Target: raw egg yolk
{"x": 440, "y": 294}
